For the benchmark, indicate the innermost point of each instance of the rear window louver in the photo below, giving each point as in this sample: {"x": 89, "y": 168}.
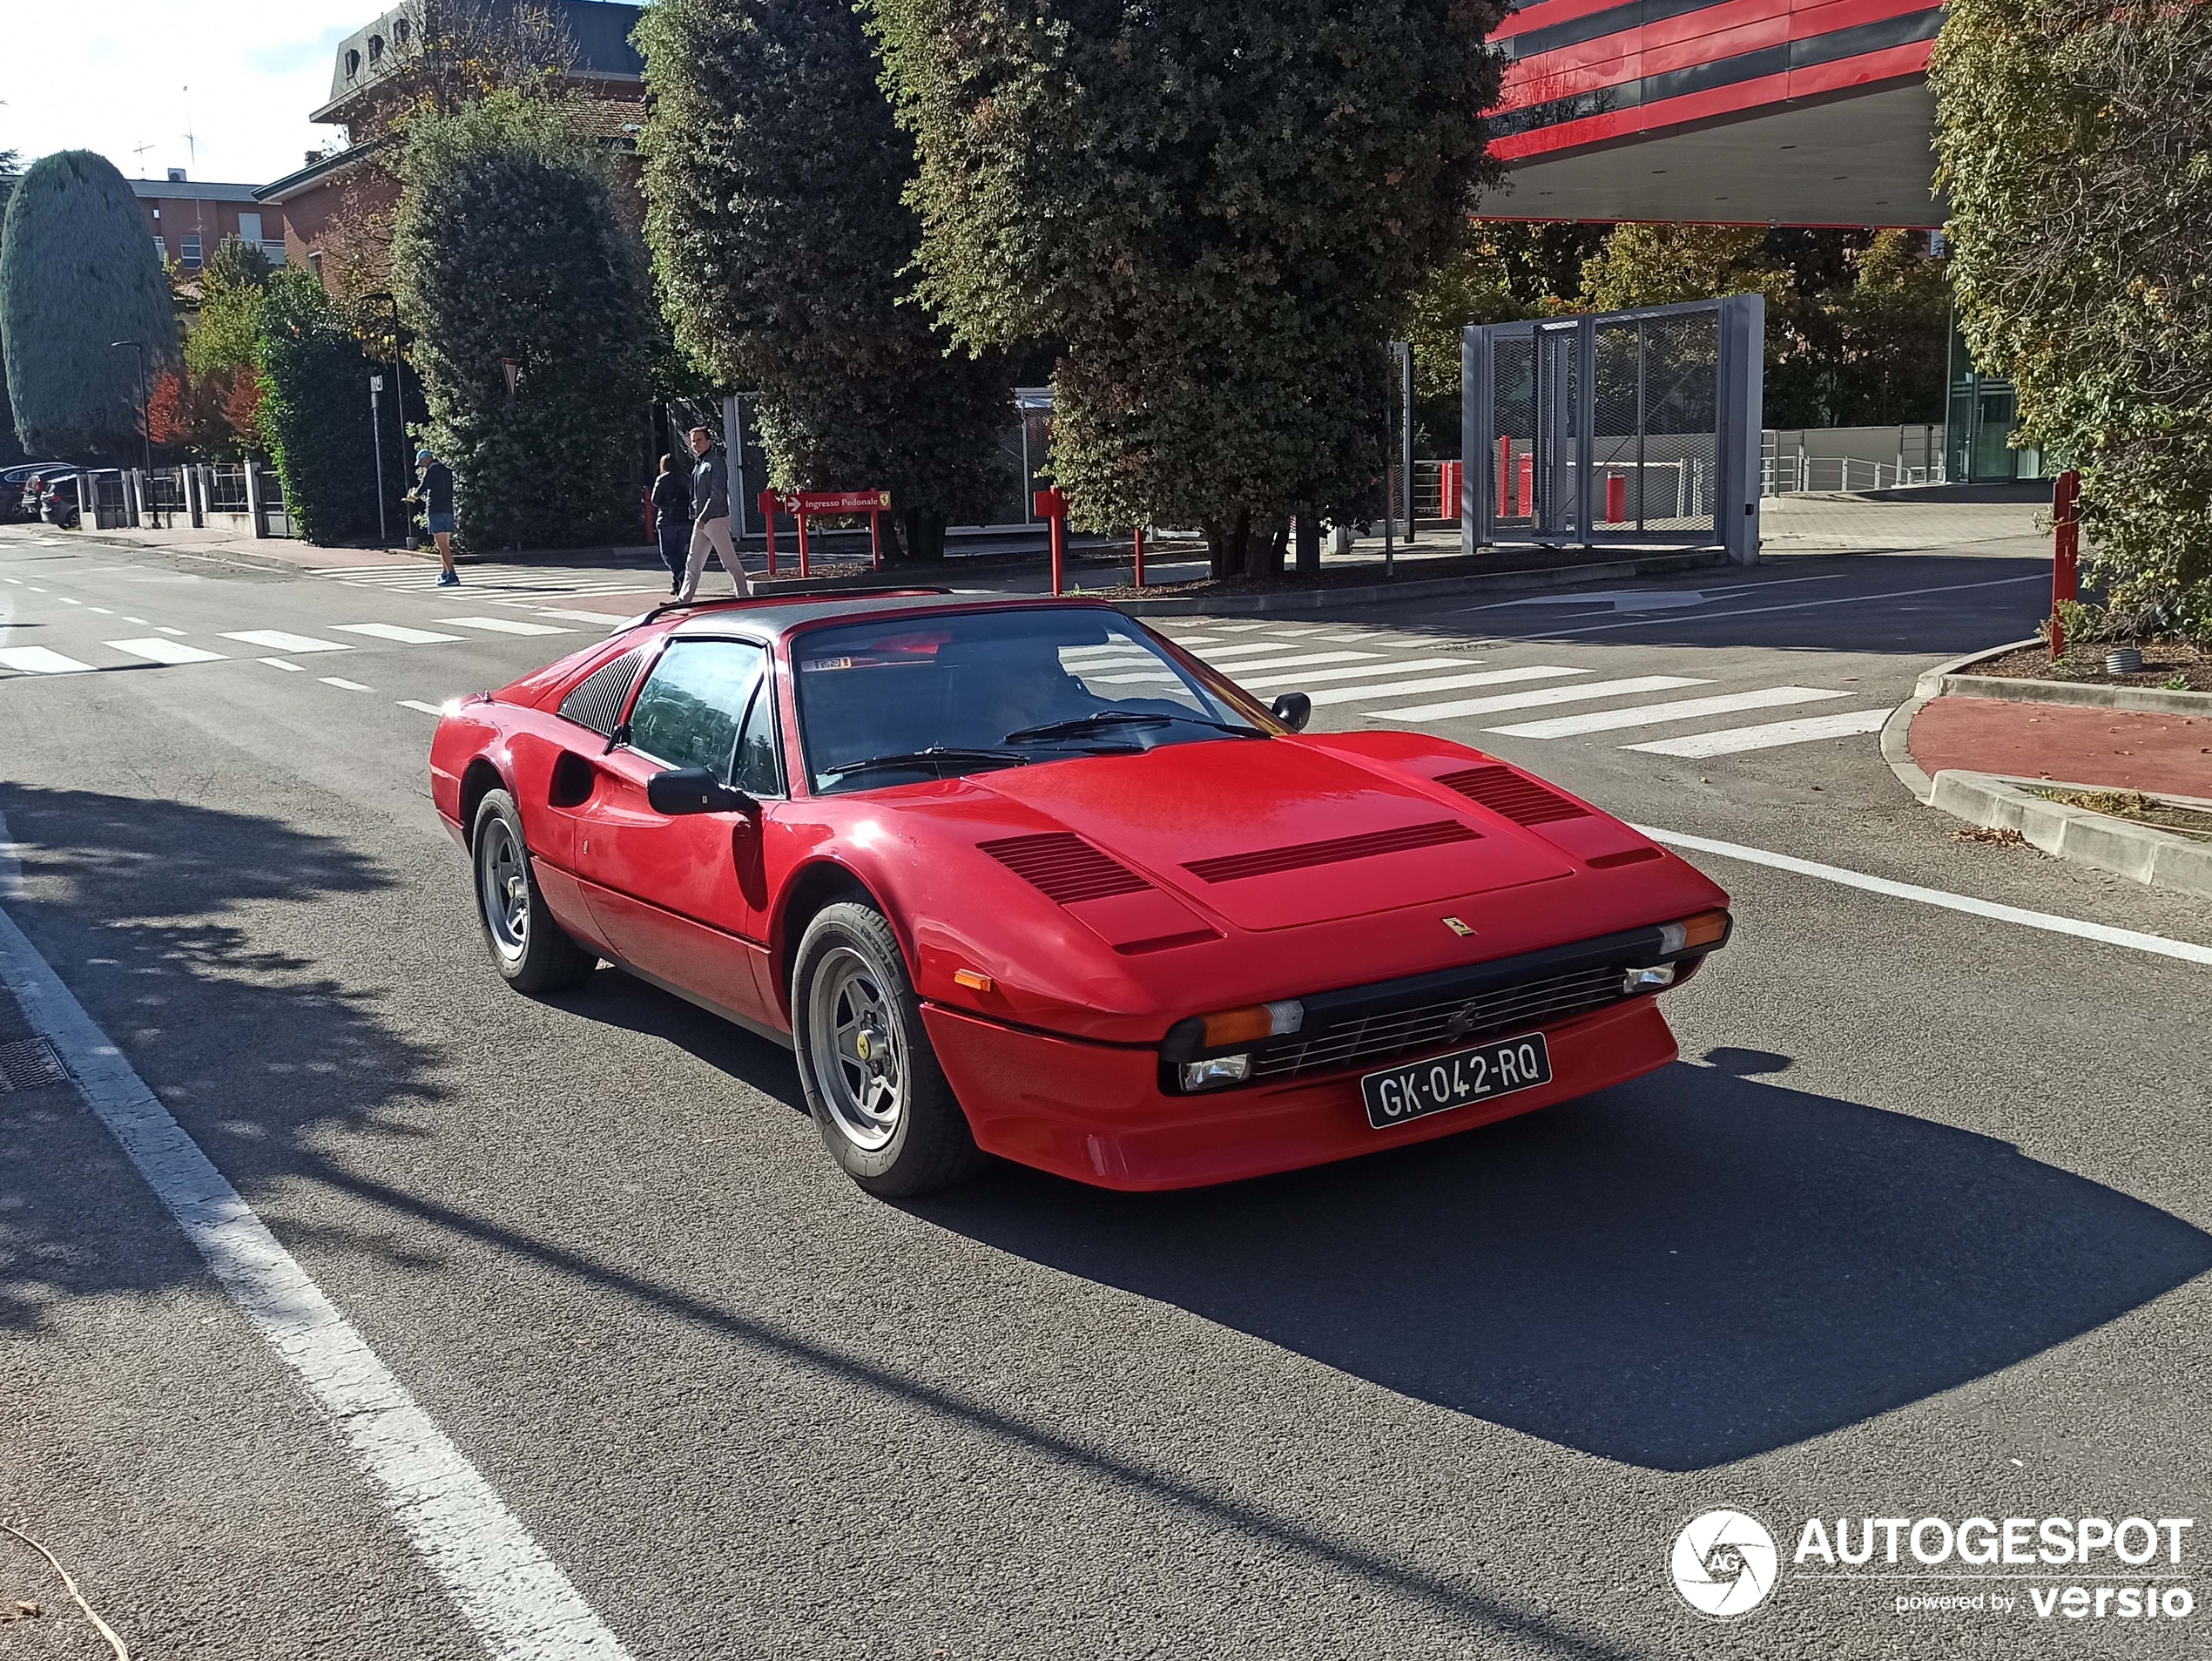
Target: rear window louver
{"x": 1511, "y": 796}
{"x": 598, "y": 698}
{"x": 1063, "y": 866}
{"x": 1233, "y": 867}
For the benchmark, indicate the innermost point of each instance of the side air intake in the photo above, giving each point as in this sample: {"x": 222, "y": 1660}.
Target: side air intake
{"x": 598, "y": 698}
{"x": 1066, "y": 868}
{"x": 1511, "y": 796}
{"x": 1233, "y": 868}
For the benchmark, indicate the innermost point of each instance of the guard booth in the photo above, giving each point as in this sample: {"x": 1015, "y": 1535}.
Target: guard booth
{"x": 1636, "y": 429}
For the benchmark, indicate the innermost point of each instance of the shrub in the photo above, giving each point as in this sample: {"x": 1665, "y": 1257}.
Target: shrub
{"x": 314, "y": 416}
{"x": 506, "y": 246}
{"x": 78, "y": 272}
{"x": 2076, "y": 145}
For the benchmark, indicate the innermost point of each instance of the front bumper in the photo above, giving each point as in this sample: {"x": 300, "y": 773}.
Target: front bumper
{"x": 1096, "y": 1113}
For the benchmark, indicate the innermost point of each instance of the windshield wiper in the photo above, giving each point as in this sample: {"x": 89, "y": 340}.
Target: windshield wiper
{"x": 1121, "y": 717}
{"x": 935, "y": 753}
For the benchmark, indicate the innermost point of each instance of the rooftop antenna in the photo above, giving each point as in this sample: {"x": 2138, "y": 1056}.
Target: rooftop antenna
{"x": 139, "y": 150}
{"x": 191, "y": 144}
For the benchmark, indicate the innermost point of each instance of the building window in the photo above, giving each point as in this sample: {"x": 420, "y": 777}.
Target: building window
{"x": 249, "y": 228}
{"x": 352, "y": 65}
{"x": 276, "y": 250}
{"x": 376, "y": 49}
{"x": 188, "y": 253}
{"x": 399, "y": 32}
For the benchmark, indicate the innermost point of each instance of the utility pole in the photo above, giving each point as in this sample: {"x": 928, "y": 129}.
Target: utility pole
{"x": 1402, "y": 353}
{"x": 376, "y": 426}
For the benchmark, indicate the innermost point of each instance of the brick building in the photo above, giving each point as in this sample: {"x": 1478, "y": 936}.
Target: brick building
{"x": 187, "y": 219}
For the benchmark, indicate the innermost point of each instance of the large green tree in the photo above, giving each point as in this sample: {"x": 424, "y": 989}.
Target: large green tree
{"x": 2076, "y": 144}
{"x": 507, "y": 247}
{"x": 1219, "y": 207}
{"x": 313, "y": 415}
{"x": 78, "y": 272}
{"x": 781, "y": 239}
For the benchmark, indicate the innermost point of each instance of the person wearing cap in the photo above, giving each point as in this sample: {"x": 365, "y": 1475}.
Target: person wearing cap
{"x": 434, "y": 488}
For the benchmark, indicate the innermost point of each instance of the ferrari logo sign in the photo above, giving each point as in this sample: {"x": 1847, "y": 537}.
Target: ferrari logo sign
{"x": 1458, "y": 928}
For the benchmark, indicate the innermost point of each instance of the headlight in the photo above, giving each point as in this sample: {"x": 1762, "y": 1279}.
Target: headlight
{"x": 1216, "y": 1071}
{"x": 1647, "y": 980}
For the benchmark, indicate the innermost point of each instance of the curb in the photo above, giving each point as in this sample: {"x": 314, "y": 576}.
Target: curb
{"x": 1314, "y": 599}
{"x": 2155, "y": 858}
{"x": 1949, "y": 681}
{"x": 1897, "y": 749}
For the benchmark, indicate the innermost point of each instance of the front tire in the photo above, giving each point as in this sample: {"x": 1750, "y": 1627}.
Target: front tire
{"x": 533, "y": 953}
{"x": 880, "y": 1101}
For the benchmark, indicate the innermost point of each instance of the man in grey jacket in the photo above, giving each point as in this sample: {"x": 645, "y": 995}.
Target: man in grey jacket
{"x": 710, "y": 519}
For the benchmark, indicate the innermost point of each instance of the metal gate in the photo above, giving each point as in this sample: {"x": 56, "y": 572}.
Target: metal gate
{"x": 1624, "y": 429}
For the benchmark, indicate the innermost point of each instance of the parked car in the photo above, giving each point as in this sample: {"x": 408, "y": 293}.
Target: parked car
{"x": 1019, "y": 877}
{"x": 13, "y": 482}
{"x": 56, "y": 499}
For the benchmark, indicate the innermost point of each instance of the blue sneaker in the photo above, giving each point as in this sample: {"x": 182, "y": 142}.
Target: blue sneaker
{"x": 448, "y": 579}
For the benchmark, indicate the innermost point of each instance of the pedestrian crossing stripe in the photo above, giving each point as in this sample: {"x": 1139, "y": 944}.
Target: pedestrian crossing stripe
{"x": 1773, "y": 735}
{"x": 395, "y": 633}
{"x": 39, "y": 660}
{"x": 416, "y": 703}
{"x": 156, "y": 649}
{"x": 1445, "y": 683}
{"x": 1543, "y": 695}
{"x": 1247, "y": 648}
{"x": 505, "y": 625}
{"x": 1297, "y": 660}
{"x": 1305, "y": 678}
{"x": 1685, "y": 709}
{"x": 278, "y": 641}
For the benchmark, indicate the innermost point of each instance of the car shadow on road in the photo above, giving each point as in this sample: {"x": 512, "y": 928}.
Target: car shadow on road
{"x": 1676, "y": 1273}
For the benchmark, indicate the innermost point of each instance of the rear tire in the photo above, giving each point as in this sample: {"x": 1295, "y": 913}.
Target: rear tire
{"x": 878, "y": 1097}
{"x": 533, "y": 953}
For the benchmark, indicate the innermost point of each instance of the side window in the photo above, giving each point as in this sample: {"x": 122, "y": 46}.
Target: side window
{"x": 758, "y": 772}
{"x": 688, "y": 712}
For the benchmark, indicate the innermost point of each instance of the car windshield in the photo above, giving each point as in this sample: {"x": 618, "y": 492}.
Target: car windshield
{"x": 897, "y": 699}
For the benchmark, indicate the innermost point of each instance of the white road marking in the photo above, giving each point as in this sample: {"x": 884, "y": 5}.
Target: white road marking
{"x": 35, "y": 589}
{"x": 65, "y": 600}
{"x": 37, "y": 660}
{"x": 605, "y": 619}
{"x": 345, "y": 685}
{"x": 14, "y": 582}
{"x": 1544, "y": 695}
{"x": 102, "y": 611}
{"x": 164, "y": 627}
{"x": 141, "y": 622}
{"x": 2187, "y": 951}
{"x": 1762, "y": 611}
{"x": 520, "y": 1604}
{"x": 1305, "y": 678}
{"x": 416, "y": 703}
{"x": 505, "y": 625}
{"x": 1296, "y": 661}
{"x": 278, "y": 640}
{"x": 1446, "y": 683}
{"x": 278, "y": 662}
{"x": 1251, "y": 646}
{"x": 155, "y": 649}
{"x": 393, "y": 631}
{"x": 1773, "y": 735}
{"x": 1686, "y": 709}
{"x": 1180, "y": 639}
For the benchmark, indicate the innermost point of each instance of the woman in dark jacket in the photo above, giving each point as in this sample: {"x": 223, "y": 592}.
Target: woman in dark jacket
{"x": 673, "y": 520}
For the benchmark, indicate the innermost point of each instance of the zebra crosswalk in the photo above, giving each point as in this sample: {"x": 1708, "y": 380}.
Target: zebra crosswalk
{"x": 1391, "y": 678}
{"x": 496, "y": 580}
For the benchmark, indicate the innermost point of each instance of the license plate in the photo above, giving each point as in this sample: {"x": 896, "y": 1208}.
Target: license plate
{"x": 1464, "y": 1077}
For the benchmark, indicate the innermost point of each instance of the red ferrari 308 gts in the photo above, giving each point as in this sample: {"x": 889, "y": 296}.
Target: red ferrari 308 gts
{"x": 1021, "y": 878}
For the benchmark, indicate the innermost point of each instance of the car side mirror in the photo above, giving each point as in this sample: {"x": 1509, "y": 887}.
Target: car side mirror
{"x": 695, "y": 790}
{"x": 1294, "y": 709}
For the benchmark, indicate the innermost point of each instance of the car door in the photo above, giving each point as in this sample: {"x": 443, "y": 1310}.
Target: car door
{"x": 682, "y": 898}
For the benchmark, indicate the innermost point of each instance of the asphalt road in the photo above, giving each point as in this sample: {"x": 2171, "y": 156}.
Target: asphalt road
{"x": 1917, "y": 1228}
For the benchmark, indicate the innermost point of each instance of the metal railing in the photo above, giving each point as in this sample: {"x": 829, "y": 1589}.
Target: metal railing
{"x": 1803, "y": 475}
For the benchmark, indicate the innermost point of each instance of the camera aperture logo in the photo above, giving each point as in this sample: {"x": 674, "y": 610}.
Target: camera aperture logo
{"x": 1725, "y": 1563}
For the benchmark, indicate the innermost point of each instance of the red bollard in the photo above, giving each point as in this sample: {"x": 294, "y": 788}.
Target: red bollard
{"x": 1052, "y": 507}
{"x": 766, "y": 503}
{"x": 2066, "y": 562}
{"x": 1505, "y": 478}
{"x": 1527, "y": 508}
{"x": 801, "y": 515}
{"x": 1616, "y": 499}
{"x": 1137, "y": 545}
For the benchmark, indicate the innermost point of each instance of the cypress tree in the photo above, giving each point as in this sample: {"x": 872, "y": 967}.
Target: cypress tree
{"x": 313, "y": 415}
{"x": 781, "y": 241}
{"x": 78, "y": 271}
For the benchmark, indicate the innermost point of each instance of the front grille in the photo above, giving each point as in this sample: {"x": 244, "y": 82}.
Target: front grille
{"x": 1391, "y": 1033}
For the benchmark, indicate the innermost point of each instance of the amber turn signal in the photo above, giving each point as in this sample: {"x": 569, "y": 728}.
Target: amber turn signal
{"x": 1251, "y": 1024}
{"x": 1706, "y": 929}
{"x": 974, "y": 980}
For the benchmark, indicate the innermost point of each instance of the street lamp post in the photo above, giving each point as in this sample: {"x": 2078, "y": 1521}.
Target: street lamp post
{"x": 376, "y": 426}
{"x": 398, "y": 373}
{"x": 146, "y": 412}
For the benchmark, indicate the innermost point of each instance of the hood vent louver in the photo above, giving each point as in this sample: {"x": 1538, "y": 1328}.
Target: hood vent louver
{"x": 1063, "y": 866}
{"x": 1511, "y": 796}
{"x": 1233, "y": 867}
